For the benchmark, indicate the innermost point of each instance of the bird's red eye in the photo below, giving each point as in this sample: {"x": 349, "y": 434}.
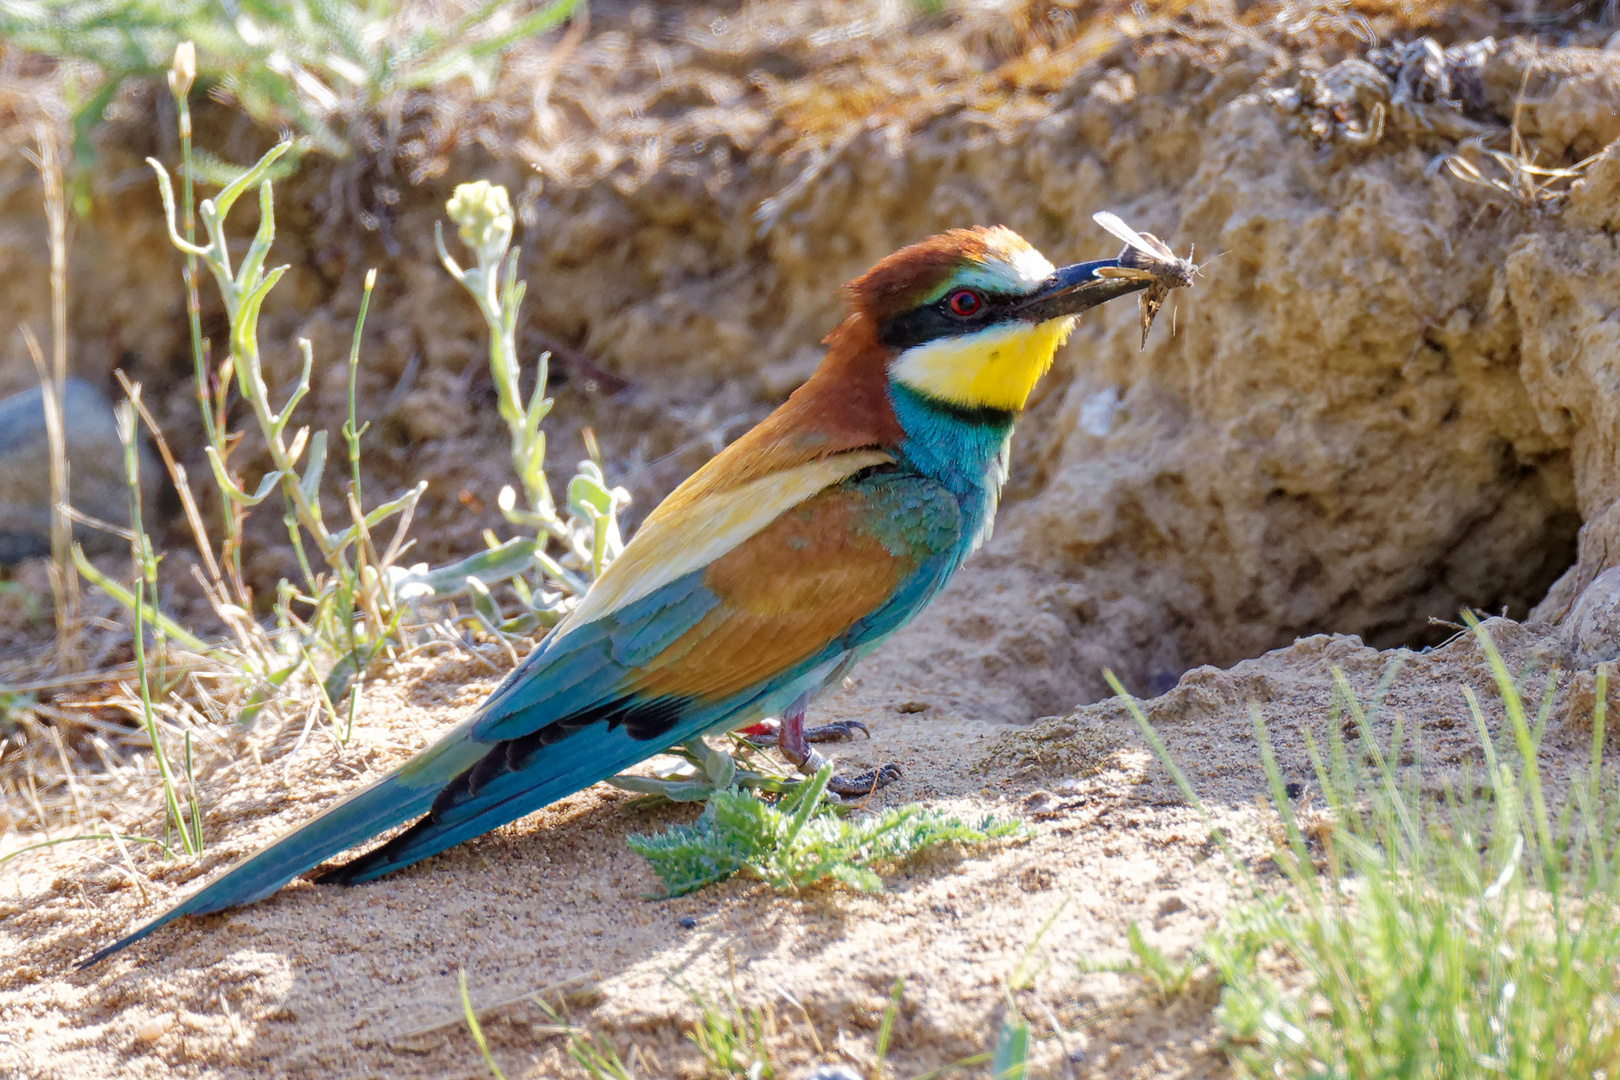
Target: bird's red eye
{"x": 965, "y": 303}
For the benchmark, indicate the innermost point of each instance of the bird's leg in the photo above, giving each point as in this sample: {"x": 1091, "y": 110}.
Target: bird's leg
{"x": 794, "y": 742}
{"x": 790, "y": 736}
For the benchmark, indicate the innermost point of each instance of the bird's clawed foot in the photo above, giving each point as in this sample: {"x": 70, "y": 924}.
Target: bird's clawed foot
{"x": 770, "y": 734}
{"x": 858, "y": 786}
{"x": 863, "y": 784}
{"x": 836, "y": 731}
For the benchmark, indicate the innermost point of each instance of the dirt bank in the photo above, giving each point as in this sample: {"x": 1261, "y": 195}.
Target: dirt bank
{"x": 1364, "y": 417}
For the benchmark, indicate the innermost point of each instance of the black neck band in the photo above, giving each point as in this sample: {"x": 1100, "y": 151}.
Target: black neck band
{"x": 985, "y": 416}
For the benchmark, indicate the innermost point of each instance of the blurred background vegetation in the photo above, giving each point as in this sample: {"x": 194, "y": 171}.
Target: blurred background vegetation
{"x": 311, "y": 66}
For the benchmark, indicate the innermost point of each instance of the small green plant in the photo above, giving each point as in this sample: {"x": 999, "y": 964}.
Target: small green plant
{"x": 1166, "y": 978}
{"x": 117, "y": 838}
{"x": 475, "y": 1027}
{"x": 800, "y": 840}
{"x": 188, "y": 821}
{"x": 1472, "y": 935}
{"x": 590, "y": 1052}
{"x": 1011, "y": 1056}
{"x": 880, "y": 1048}
{"x": 545, "y": 586}
{"x": 14, "y": 705}
{"x": 732, "y": 1038}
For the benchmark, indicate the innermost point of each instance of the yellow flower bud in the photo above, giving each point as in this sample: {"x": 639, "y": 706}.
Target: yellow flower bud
{"x": 483, "y": 212}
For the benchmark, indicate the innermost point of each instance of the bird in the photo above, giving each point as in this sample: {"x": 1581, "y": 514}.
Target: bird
{"x": 761, "y": 580}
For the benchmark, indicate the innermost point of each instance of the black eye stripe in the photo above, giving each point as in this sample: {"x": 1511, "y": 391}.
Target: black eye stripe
{"x": 932, "y": 321}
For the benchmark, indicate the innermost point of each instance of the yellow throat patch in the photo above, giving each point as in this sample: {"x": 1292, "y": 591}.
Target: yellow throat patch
{"x": 995, "y": 368}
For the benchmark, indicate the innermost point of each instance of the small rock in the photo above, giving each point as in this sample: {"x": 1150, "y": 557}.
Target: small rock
{"x": 1593, "y": 630}
{"x": 1294, "y": 790}
{"x": 832, "y": 1072}
{"x": 96, "y": 483}
{"x": 1037, "y": 801}
{"x": 912, "y": 707}
{"x": 1582, "y": 703}
{"x": 150, "y": 1029}
{"x": 1036, "y": 879}
{"x": 686, "y": 922}
{"x": 1170, "y": 905}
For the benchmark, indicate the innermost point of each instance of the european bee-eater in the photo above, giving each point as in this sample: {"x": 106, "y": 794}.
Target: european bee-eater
{"x": 760, "y": 581}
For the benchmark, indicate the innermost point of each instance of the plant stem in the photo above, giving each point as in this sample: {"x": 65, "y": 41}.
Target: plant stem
{"x": 171, "y": 801}
{"x": 188, "y": 224}
{"x": 146, "y": 577}
{"x": 352, "y": 430}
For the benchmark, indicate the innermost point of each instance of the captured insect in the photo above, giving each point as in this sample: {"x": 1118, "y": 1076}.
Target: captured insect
{"x": 1146, "y": 257}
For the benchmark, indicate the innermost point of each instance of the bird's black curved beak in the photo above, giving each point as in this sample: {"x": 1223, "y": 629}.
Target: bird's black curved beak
{"x": 1073, "y": 289}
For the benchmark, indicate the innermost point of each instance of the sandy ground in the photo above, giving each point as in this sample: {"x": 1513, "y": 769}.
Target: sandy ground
{"x": 342, "y": 982}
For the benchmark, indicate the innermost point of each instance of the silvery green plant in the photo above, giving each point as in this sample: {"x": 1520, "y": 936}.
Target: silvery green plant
{"x": 243, "y": 293}
{"x": 343, "y": 615}
{"x": 588, "y": 535}
{"x": 801, "y": 839}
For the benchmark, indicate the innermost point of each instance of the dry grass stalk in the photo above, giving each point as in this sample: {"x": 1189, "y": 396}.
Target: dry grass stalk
{"x": 1516, "y": 174}
{"x": 1528, "y": 185}
{"x": 53, "y": 385}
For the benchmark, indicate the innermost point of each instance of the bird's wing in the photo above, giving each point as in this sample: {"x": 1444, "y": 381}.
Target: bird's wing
{"x": 698, "y": 524}
{"x": 806, "y": 577}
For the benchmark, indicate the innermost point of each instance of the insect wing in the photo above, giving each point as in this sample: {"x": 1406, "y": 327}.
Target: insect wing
{"x": 1151, "y": 301}
{"x": 1147, "y": 245}
{"x": 1166, "y": 270}
{"x": 1118, "y": 228}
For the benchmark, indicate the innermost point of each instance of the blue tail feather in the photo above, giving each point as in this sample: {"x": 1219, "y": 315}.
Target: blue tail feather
{"x": 391, "y": 801}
